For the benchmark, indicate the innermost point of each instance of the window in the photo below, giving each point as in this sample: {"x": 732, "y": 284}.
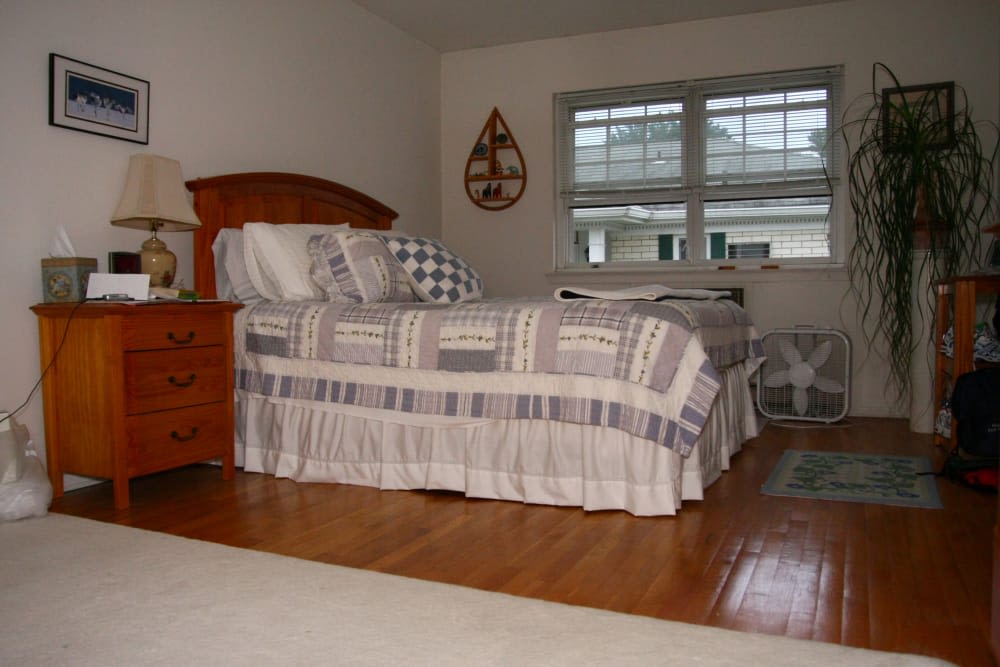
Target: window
{"x": 738, "y": 250}
{"x": 720, "y": 170}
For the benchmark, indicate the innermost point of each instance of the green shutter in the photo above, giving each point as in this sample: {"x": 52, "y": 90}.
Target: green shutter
{"x": 666, "y": 246}
{"x": 717, "y": 245}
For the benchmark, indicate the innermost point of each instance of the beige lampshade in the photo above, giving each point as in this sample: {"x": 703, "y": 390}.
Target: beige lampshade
{"x": 154, "y": 196}
{"x": 155, "y": 199}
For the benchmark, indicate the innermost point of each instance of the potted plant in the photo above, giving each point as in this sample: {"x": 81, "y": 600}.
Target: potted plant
{"x": 921, "y": 187}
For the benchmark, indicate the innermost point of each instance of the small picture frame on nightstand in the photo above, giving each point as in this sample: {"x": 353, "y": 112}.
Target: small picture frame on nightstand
{"x": 124, "y": 262}
{"x": 993, "y": 255}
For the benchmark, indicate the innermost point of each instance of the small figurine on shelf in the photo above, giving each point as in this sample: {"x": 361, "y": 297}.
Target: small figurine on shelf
{"x": 488, "y": 191}
{"x": 498, "y": 191}
{"x": 497, "y": 167}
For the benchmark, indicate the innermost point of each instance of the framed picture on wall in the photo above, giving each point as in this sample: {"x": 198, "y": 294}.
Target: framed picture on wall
{"x": 926, "y": 111}
{"x": 96, "y": 100}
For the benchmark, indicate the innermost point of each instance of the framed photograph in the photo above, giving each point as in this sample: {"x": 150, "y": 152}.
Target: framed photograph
{"x": 993, "y": 257}
{"x": 928, "y": 108}
{"x": 124, "y": 262}
{"x": 96, "y": 100}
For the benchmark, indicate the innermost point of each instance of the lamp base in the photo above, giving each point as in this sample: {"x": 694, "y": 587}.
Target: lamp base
{"x": 158, "y": 262}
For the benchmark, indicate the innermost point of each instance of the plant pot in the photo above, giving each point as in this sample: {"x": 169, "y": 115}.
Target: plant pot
{"x": 928, "y": 233}
{"x": 922, "y": 360}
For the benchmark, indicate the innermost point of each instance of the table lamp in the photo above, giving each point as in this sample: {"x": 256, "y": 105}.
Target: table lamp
{"x": 155, "y": 199}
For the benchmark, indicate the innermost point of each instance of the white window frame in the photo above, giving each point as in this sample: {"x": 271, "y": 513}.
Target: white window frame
{"x": 692, "y": 190}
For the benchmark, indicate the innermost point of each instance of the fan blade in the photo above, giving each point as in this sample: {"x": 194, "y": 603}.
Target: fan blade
{"x": 828, "y": 385}
{"x": 800, "y": 399}
{"x": 802, "y": 375}
{"x": 776, "y": 379}
{"x": 788, "y": 352}
{"x": 820, "y": 354}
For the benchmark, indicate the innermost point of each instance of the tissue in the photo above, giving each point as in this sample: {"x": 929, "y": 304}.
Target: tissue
{"x": 64, "y": 275}
{"x": 61, "y": 245}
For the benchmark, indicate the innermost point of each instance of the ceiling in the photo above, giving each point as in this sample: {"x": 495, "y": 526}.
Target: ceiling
{"x": 454, "y": 25}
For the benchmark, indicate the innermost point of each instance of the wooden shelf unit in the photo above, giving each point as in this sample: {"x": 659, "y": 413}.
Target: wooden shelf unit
{"x": 495, "y": 164}
{"x": 956, "y": 307}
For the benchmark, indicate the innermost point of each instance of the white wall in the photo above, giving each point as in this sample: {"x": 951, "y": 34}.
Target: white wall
{"x": 318, "y": 87}
{"x": 923, "y": 41}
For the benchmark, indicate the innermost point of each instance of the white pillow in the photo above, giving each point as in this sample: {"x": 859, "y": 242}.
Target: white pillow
{"x": 278, "y": 261}
{"x": 436, "y": 273}
{"x": 232, "y": 282}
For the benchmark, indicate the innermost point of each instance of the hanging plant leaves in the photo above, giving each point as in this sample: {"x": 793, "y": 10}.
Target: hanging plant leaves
{"x": 920, "y": 178}
{"x": 495, "y": 173}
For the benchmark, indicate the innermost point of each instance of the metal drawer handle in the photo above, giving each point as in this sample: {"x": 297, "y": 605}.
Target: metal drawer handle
{"x": 172, "y": 380}
{"x": 178, "y": 341}
{"x": 184, "y": 438}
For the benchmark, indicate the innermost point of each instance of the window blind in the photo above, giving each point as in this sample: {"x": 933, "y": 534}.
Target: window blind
{"x": 728, "y": 138}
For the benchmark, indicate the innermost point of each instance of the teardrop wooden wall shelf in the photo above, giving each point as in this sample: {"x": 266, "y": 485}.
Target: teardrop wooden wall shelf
{"x": 495, "y": 173}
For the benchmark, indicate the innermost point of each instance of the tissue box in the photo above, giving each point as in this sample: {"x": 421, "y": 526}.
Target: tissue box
{"x": 65, "y": 278}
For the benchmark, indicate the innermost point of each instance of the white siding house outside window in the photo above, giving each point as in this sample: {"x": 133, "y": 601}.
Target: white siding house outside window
{"x": 736, "y": 170}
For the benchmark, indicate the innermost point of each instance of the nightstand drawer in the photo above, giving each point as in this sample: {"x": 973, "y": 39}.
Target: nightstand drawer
{"x": 157, "y": 330}
{"x": 163, "y": 440}
{"x": 166, "y": 379}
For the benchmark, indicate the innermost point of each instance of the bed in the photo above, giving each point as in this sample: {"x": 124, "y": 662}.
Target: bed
{"x": 367, "y": 367}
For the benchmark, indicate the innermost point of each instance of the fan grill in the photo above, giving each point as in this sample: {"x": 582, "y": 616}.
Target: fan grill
{"x": 780, "y": 379}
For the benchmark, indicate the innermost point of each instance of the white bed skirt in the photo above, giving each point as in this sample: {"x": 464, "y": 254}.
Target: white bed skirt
{"x": 532, "y": 461}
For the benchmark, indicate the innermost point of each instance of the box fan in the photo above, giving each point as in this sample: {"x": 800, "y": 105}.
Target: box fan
{"x": 807, "y": 374}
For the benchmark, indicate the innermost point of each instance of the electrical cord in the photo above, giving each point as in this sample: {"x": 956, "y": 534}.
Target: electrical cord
{"x": 48, "y": 366}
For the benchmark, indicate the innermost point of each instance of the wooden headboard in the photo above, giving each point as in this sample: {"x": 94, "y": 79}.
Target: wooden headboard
{"x": 233, "y": 199}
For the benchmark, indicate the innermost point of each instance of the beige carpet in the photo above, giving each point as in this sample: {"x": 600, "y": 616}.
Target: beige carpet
{"x": 74, "y": 591}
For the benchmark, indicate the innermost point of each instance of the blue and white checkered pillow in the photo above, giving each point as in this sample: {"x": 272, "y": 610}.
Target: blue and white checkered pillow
{"x": 436, "y": 274}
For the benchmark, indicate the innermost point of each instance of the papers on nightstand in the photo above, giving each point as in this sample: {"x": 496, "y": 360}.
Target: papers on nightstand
{"x": 132, "y": 285}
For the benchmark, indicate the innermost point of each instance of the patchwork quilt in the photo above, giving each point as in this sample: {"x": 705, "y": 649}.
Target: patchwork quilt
{"x": 648, "y": 368}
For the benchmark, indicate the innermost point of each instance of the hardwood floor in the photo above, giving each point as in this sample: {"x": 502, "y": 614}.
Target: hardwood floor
{"x": 874, "y": 576}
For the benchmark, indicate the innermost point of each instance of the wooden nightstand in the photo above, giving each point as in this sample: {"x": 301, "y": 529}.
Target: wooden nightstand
{"x": 136, "y": 388}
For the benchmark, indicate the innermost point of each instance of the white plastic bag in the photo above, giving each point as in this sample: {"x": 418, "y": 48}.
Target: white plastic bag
{"x": 31, "y": 493}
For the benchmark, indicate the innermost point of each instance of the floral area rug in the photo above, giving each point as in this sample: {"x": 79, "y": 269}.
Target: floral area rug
{"x": 860, "y": 478}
